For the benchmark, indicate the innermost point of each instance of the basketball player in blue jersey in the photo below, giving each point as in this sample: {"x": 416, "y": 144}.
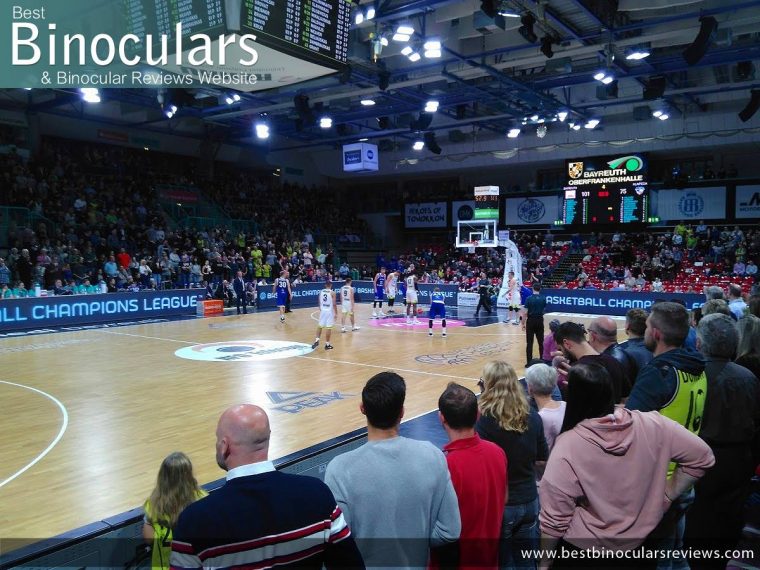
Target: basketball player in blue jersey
{"x": 347, "y": 305}
{"x": 328, "y": 314}
{"x": 437, "y": 311}
{"x": 379, "y": 282}
{"x": 282, "y": 289}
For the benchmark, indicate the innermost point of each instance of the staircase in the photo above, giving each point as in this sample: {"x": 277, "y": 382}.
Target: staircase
{"x": 558, "y": 272}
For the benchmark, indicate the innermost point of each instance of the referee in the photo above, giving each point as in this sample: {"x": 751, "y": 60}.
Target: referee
{"x": 533, "y": 321}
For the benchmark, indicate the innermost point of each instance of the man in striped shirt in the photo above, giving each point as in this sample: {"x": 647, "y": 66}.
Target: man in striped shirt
{"x": 261, "y": 517}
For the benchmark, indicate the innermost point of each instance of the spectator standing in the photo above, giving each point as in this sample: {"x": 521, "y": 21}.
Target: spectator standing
{"x": 533, "y": 321}
{"x": 730, "y": 426}
{"x": 735, "y": 302}
{"x": 602, "y": 450}
{"x": 542, "y": 384}
{"x": 261, "y": 517}
{"x": 396, "y": 493}
{"x": 748, "y": 350}
{"x": 478, "y": 471}
{"x": 5, "y": 274}
{"x": 238, "y": 285}
{"x": 176, "y": 487}
{"x": 635, "y": 326}
{"x": 507, "y": 420}
{"x": 603, "y": 338}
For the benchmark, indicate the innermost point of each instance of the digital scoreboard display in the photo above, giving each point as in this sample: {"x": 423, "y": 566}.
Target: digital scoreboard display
{"x": 314, "y": 30}
{"x": 318, "y": 26}
{"x": 606, "y": 190}
{"x": 486, "y": 203}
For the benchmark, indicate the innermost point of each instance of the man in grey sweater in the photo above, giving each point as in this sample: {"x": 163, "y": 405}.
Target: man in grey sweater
{"x": 395, "y": 493}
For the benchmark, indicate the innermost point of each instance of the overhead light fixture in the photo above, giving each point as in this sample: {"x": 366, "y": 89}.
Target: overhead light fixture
{"x": 262, "y": 130}
{"x": 370, "y": 14}
{"x": 403, "y": 33}
{"x": 546, "y": 46}
{"x": 27, "y": 88}
{"x": 383, "y": 41}
{"x": 418, "y": 145}
{"x": 431, "y": 106}
{"x": 505, "y": 12}
{"x": 561, "y": 116}
{"x": 591, "y": 124}
{"x": 575, "y": 127}
{"x": 367, "y": 102}
{"x": 90, "y": 95}
{"x": 513, "y": 133}
{"x": 657, "y": 113}
{"x": 534, "y": 118}
{"x": 236, "y": 97}
{"x": 406, "y": 50}
{"x": 359, "y": 18}
{"x": 604, "y": 76}
{"x": 432, "y": 49}
{"x": 664, "y": 117}
{"x": 637, "y": 54}
{"x": 528, "y": 20}
{"x": 365, "y": 139}
{"x": 414, "y": 57}
{"x": 325, "y": 122}
{"x": 432, "y": 53}
{"x": 229, "y": 100}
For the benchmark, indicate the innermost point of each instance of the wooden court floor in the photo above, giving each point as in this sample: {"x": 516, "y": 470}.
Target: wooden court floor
{"x": 87, "y": 417}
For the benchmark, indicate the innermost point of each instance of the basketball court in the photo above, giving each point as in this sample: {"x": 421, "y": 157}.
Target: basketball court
{"x": 88, "y": 416}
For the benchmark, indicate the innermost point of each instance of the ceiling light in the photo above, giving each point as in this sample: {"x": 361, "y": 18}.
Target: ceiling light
{"x": 363, "y": 140}
{"x": 418, "y": 145}
{"x": 367, "y": 102}
{"x": 27, "y": 88}
{"x": 576, "y": 127}
{"x": 657, "y": 113}
{"x": 384, "y": 41}
{"x": 173, "y": 108}
{"x": 534, "y": 118}
{"x": 406, "y": 50}
{"x": 507, "y": 13}
{"x": 513, "y": 133}
{"x": 370, "y": 13}
{"x": 414, "y": 57}
{"x": 262, "y": 130}
{"x": 359, "y": 18}
{"x": 431, "y": 106}
{"x": 432, "y": 45}
{"x": 591, "y": 124}
{"x": 599, "y": 75}
{"x": 637, "y": 54}
{"x": 400, "y": 37}
{"x": 664, "y": 117}
{"x": 325, "y": 122}
{"x": 604, "y": 76}
{"x": 432, "y": 53}
{"x": 405, "y": 29}
{"x": 90, "y": 95}
{"x": 235, "y": 97}
{"x": 229, "y": 100}
{"x": 607, "y": 80}
{"x": 169, "y": 114}
{"x": 541, "y": 121}
{"x": 562, "y": 115}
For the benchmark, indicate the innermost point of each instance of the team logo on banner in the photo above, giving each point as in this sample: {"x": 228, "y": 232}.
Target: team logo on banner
{"x": 691, "y": 205}
{"x": 531, "y": 210}
{"x": 244, "y": 350}
{"x": 575, "y": 169}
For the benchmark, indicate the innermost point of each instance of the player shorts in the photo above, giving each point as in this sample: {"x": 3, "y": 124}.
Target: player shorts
{"x": 411, "y": 296}
{"x": 513, "y": 300}
{"x": 282, "y": 298}
{"x": 346, "y": 309}
{"x": 437, "y": 311}
{"x": 391, "y": 293}
{"x": 379, "y": 294}
{"x": 326, "y": 318}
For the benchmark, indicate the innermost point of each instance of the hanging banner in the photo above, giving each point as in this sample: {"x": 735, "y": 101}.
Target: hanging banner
{"x": 691, "y": 204}
{"x": 426, "y": 215}
{"x": 462, "y": 211}
{"x": 543, "y": 210}
{"x": 747, "y": 202}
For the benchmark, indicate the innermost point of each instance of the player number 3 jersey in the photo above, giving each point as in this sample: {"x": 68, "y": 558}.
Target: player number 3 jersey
{"x": 326, "y": 300}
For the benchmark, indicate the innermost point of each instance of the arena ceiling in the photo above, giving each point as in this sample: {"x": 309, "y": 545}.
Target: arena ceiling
{"x": 491, "y": 76}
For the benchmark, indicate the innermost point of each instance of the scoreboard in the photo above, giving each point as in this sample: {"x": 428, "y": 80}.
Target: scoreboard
{"x": 486, "y": 203}
{"x": 606, "y": 190}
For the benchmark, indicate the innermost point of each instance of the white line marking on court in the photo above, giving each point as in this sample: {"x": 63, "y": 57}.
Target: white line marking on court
{"x": 151, "y": 337}
{"x": 387, "y": 367}
{"x": 52, "y": 443}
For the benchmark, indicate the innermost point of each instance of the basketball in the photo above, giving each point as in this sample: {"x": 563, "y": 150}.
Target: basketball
{"x": 419, "y": 311}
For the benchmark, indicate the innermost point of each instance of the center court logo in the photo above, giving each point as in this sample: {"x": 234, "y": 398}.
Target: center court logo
{"x": 244, "y": 350}
{"x": 531, "y": 210}
{"x": 691, "y": 205}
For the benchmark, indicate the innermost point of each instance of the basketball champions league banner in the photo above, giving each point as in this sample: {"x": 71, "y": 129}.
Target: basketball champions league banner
{"x": 242, "y": 45}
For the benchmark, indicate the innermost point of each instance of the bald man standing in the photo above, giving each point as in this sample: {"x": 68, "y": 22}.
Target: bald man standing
{"x": 602, "y": 336}
{"x": 261, "y": 517}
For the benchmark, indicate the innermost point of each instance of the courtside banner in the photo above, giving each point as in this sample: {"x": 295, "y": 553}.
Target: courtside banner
{"x": 747, "y": 202}
{"x": 426, "y": 215}
{"x": 690, "y": 204}
{"x": 364, "y": 292}
{"x": 32, "y": 313}
{"x": 532, "y": 210}
{"x": 590, "y": 301}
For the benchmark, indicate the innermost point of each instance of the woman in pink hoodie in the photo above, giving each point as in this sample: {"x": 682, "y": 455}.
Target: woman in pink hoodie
{"x": 605, "y": 484}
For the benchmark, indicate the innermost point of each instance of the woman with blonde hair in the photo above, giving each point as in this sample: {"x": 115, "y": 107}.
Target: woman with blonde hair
{"x": 748, "y": 351}
{"x": 176, "y": 488}
{"x": 507, "y": 419}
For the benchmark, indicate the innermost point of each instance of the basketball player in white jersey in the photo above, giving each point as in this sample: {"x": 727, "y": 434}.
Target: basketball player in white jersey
{"x": 328, "y": 314}
{"x": 513, "y": 299}
{"x": 347, "y": 305}
{"x": 391, "y": 290}
{"x": 411, "y": 299}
